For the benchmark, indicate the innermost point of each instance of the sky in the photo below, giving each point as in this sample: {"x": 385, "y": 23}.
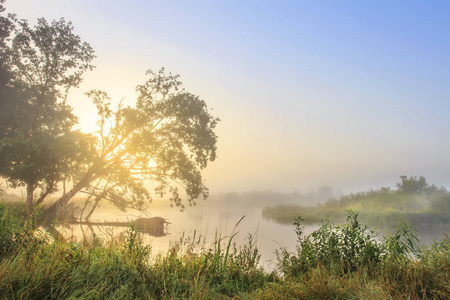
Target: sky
{"x": 348, "y": 94}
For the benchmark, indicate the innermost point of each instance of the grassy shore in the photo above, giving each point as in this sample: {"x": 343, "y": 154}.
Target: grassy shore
{"x": 345, "y": 262}
{"x": 383, "y": 208}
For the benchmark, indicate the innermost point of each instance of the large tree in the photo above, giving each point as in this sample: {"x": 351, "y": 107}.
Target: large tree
{"x": 166, "y": 139}
{"x": 39, "y": 65}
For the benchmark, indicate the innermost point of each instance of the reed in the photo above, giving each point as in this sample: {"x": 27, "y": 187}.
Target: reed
{"x": 335, "y": 262}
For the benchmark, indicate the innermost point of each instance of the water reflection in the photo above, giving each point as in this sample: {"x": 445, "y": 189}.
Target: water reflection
{"x": 200, "y": 227}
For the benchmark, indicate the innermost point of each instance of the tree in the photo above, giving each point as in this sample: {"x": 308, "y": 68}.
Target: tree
{"x": 412, "y": 185}
{"x": 39, "y": 65}
{"x": 167, "y": 138}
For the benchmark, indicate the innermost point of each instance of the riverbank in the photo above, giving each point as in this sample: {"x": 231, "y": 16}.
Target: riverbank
{"x": 334, "y": 262}
{"x": 426, "y": 207}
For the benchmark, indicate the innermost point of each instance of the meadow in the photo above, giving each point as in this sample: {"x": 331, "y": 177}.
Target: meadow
{"x": 334, "y": 262}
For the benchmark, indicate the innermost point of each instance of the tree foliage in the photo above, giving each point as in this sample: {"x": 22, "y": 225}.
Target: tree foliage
{"x": 413, "y": 185}
{"x": 39, "y": 66}
{"x": 167, "y": 138}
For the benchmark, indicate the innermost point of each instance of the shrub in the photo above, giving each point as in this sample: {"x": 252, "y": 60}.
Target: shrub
{"x": 343, "y": 248}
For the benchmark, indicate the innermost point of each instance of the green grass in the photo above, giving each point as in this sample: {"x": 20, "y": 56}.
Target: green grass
{"x": 36, "y": 268}
{"x": 334, "y": 262}
{"x": 351, "y": 262}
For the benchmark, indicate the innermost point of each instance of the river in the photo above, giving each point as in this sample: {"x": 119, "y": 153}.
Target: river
{"x": 201, "y": 226}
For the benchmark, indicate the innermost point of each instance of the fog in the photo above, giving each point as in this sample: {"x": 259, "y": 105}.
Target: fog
{"x": 308, "y": 95}
{"x": 315, "y": 101}
{"x": 201, "y": 226}
{"x": 218, "y": 218}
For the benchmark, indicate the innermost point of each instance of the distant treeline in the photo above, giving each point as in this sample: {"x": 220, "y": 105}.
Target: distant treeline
{"x": 266, "y": 198}
{"x": 413, "y": 200}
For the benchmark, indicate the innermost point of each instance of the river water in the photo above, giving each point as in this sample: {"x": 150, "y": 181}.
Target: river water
{"x": 203, "y": 225}
{"x": 199, "y": 226}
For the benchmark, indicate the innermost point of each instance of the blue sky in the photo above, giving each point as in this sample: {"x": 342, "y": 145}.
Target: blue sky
{"x": 350, "y": 94}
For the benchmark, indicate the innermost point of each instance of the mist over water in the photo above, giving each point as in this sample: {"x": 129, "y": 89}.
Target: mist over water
{"x": 207, "y": 222}
{"x": 202, "y": 225}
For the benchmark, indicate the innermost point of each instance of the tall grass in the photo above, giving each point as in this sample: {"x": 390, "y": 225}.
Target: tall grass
{"x": 347, "y": 260}
{"x": 335, "y": 262}
{"x": 113, "y": 269}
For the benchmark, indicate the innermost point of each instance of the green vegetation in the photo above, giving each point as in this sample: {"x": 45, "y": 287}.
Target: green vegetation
{"x": 168, "y": 137}
{"x": 39, "y": 65}
{"x": 39, "y": 269}
{"x": 350, "y": 262}
{"x": 413, "y": 200}
{"x": 344, "y": 262}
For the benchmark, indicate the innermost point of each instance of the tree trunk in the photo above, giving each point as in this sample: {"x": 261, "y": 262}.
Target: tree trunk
{"x": 97, "y": 201}
{"x": 53, "y": 210}
{"x": 42, "y": 197}
{"x": 30, "y": 191}
{"x": 55, "y": 233}
{"x": 86, "y": 203}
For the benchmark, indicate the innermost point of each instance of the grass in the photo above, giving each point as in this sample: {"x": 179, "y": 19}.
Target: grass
{"x": 351, "y": 262}
{"x": 334, "y": 262}
{"x": 36, "y": 268}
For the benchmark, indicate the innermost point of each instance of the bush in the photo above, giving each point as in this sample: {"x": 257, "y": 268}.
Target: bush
{"x": 351, "y": 260}
{"x": 342, "y": 249}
